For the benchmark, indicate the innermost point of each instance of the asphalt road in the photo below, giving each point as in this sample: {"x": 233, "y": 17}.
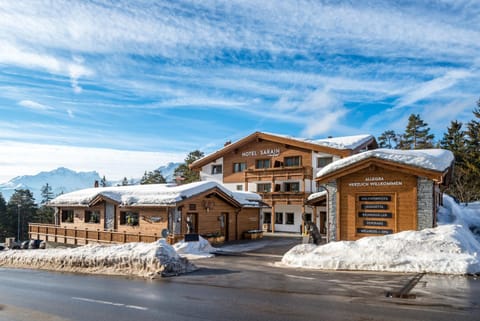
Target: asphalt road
{"x": 248, "y": 287}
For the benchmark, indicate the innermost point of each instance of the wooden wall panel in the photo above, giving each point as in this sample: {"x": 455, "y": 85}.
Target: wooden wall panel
{"x": 377, "y": 181}
{"x": 253, "y": 151}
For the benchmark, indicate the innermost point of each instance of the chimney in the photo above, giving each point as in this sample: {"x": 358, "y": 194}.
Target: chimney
{"x": 95, "y": 184}
{"x": 228, "y": 142}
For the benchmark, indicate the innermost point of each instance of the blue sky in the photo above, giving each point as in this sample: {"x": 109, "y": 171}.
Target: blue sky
{"x": 125, "y": 86}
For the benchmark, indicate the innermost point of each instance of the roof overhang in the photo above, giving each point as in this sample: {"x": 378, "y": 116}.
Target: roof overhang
{"x": 438, "y": 177}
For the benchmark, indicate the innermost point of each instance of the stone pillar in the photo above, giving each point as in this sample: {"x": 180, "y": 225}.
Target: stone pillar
{"x": 331, "y": 210}
{"x": 425, "y": 203}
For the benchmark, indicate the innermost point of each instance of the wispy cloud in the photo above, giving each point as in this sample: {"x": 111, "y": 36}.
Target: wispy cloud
{"x": 34, "y": 105}
{"x": 431, "y": 87}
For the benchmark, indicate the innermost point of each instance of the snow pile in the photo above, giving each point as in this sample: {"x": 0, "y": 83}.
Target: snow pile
{"x": 448, "y": 249}
{"x": 195, "y": 250}
{"x": 135, "y": 259}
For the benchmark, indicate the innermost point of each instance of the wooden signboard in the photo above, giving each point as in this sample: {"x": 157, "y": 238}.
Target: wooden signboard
{"x": 375, "y": 214}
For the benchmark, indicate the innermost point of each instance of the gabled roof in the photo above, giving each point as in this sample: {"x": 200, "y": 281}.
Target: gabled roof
{"x": 154, "y": 195}
{"x": 339, "y": 146}
{"x": 431, "y": 163}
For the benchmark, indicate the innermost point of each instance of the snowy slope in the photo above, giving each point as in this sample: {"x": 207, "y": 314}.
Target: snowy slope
{"x": 62, "y": 180}
{"x": 167, "y": 170}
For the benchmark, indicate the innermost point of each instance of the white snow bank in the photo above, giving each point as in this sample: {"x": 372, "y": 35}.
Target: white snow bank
{"x": 447, "y": 249}
{"x": 195, "y": 250}
{"x": 136, "y": 259}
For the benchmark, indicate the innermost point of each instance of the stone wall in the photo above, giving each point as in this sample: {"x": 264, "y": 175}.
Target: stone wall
{"x": 332, "y": 211}
{"x": 425, "y": 203}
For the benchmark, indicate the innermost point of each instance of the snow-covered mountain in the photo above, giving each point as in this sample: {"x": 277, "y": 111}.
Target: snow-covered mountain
{"x": 62, "y": 180}
{"x": 167, "y": 170}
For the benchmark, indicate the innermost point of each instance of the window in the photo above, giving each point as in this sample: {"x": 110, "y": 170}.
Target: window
{"x": 264, "y": 188}
{"x": 67, "y": 216}
{"x": 267, "y": 218}
{"x": 292, "y": 187}
{"x": 216, "y": 169}
{"x": 278, "y": 218}
{"x": 239, "y": 187}
{"x": 308, "y": 217}
{"x": 239, "y": 167}
{"x": 262, "y": 163}
{"x": 289, "y": 218}
{"x": 129, "y": 218}
{"x": 324, "y": 161}
{"x": 292, "y": 161}
{"x": 92, "y": 217}
{"x": 192, "y": 207}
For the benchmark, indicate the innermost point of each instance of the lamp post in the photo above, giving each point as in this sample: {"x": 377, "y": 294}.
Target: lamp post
{"x": 18, "y": 223}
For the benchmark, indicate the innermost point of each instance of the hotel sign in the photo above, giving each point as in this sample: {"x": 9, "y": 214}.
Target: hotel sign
{"x": 270, "y": 152}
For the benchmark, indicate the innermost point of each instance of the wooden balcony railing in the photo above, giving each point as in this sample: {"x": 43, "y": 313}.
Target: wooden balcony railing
{"x": 58, "y": 234}
{"x": 294, "y": 198}
{"x": 279, "y": 173}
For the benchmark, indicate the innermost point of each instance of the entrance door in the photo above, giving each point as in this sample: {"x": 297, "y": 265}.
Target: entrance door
{"x": 224, "y": 223}
{"x": 109, "y": 216}
{"x": 193, "y": 218}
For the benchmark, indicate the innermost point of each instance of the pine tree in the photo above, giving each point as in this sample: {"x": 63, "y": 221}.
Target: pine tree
{"x": 154, "y": 177}
{"x": 388, "y": 139}
{"x": 472, "y": 162}
{"x": 183, "y": 172}
{"x": 103, "y": 182}
{"x": 417, "y": 134}
{"x": 47, "y": 193}
{"x": 454, "y": 141}
{"x": 125, "y": 181}
{"x": 3, "y": 217}
{"x": 21, "y": 209}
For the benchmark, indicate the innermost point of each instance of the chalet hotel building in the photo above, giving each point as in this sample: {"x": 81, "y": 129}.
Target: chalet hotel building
{"x": 282, "y": 170}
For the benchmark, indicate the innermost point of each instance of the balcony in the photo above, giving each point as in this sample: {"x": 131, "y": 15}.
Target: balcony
{"x": 293, "y": 198}
{"x": 279, "y": 173}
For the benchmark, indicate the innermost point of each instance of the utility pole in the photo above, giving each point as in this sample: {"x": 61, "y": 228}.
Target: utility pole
{"x": 18, "y": 223}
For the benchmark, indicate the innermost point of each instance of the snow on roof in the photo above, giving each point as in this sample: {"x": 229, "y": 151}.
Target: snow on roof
{"x": 450, "y": 248}
{"x": 317, "y": 195}
{"x": 342, "y": 142}
{"x": 151, "y": 194}
{"x": 346, "y": 142}
{"x": 430, "y": 159}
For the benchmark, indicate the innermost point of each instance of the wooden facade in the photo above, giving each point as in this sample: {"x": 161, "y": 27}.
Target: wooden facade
{"x": 280, "y": 169}
{"x": 373, "y": 197}
{"x": 211, "y": 212}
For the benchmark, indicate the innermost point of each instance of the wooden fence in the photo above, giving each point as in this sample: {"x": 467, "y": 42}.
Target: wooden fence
{"x": 58, "y": 234}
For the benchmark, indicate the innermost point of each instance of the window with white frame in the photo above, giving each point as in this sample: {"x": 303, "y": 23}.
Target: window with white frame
{"x": 278, "y": 218}
{"x": 323, "y": 161}
{"x": 290, "y": 218}
{"x": 292, "y": 187}
{"x": 264, "y": 187}
{"x": 216, "y": 169}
